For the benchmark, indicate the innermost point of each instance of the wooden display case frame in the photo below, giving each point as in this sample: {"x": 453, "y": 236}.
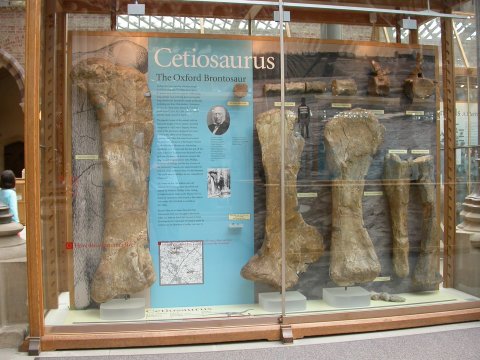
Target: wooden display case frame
{"x": 283, "y": 328}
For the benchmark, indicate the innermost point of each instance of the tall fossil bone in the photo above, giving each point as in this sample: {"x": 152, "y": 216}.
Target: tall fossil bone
{"x": 125, "y": 117}
{"x": 396, "y": 177}
{"x": 426, "y": 270}
{"x": 352, "y": 138}
{"x": 304, "y": 244}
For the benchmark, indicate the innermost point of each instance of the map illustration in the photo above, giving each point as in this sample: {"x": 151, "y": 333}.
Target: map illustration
{"x": 181, "y": 262}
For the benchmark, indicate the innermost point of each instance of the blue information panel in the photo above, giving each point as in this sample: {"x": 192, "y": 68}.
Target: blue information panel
{"x": 201, "y": 171}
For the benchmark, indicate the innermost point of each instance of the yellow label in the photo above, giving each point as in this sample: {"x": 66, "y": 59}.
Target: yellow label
{"x": 341, "y": 105}
{"x": 287, "y": 104}
{"x": 238, "y": 103}
{"x": 307, "y": 195}
{"x": 86, "y": 157}
{"x": 414, "y": 113}
{"x": 398, "y": 151}
{"x": 377, "y": 112}
{"x": 382, "y": 278}
{"x": 372, "y": 193}
{"x": 236, "y": 217}
{"x": 420, "y": 151}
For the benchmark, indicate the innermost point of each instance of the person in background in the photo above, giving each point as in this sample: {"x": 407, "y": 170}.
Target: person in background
{"x": 304, "y": 115}
{"x": 8, "y": 195}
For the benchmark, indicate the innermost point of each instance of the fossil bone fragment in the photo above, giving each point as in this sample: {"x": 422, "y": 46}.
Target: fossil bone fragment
{"x": 304, "y": 244}
{"x": 240, "y": 90}
{"x": 290, "y": 88}
{"x": 426, "y": 270}
{"x": 352, "y": 138}
{"x": 316, "y": 87}
{"x": 379, "y": 84}
{"x": 125, "y": 117}
{"x": 387, "y": 297}
{"x": 396, "y": 177}
{"x": 347, "y": 87}
{"x": 416, "y": 86}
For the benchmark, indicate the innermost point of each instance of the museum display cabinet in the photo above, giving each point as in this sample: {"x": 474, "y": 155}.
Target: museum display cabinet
{"x": 227, "y": 171}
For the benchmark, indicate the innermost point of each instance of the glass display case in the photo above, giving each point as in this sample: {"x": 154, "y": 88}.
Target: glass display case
{"x": 262, "y": 168}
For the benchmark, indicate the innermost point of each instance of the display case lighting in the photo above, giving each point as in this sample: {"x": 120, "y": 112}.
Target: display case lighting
{"x": 410, "y": 24}
{"x": 136, "y": 9}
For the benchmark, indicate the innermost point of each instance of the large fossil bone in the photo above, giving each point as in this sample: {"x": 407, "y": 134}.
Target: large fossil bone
{"x": 399, "y": 175}
{"x": 125, "y": 116}
{"x": 352, "y": 138}
{"x": 397, "y": 188}
{"x": 426, "y": 270}
{"x": 304, "y": 244}
{"x": 121, "y": 52}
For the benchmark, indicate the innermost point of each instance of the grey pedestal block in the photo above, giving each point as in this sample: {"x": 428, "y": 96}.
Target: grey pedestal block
{"x": 123, "y": 309}
{"x": 349, "y": 297}
{"x": 272, "y": 301}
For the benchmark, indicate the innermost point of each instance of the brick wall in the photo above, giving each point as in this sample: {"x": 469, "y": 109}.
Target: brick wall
{"x": 89, "y": 22}
{"x": 306, "y": 30}
{"x": 12, "y": 34}
{"x": 357, "y": 33}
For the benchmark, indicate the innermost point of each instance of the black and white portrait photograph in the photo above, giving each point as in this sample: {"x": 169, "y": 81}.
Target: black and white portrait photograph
{"x": 218, "y": 120}
{"x": 218, "y": 183}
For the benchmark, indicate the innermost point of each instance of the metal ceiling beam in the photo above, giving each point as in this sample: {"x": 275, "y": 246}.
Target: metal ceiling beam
{"x": 423, "y": 13}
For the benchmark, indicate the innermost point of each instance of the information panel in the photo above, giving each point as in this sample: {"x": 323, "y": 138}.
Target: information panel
{"x": 201, "y": 171}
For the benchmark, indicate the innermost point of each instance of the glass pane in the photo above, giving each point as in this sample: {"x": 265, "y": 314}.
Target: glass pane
{"x": 365, "y": 171}
{"x": 467, "y": 274}
{"x": 165, "y": 175}
{"x": 172, "y": 213}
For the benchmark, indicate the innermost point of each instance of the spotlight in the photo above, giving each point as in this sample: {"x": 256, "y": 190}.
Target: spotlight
{"x": 136, "y": 9}
{"x": 408, "y": 23}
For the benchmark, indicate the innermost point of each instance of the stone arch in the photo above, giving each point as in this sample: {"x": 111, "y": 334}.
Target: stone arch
{"x": 16, "y": 70}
